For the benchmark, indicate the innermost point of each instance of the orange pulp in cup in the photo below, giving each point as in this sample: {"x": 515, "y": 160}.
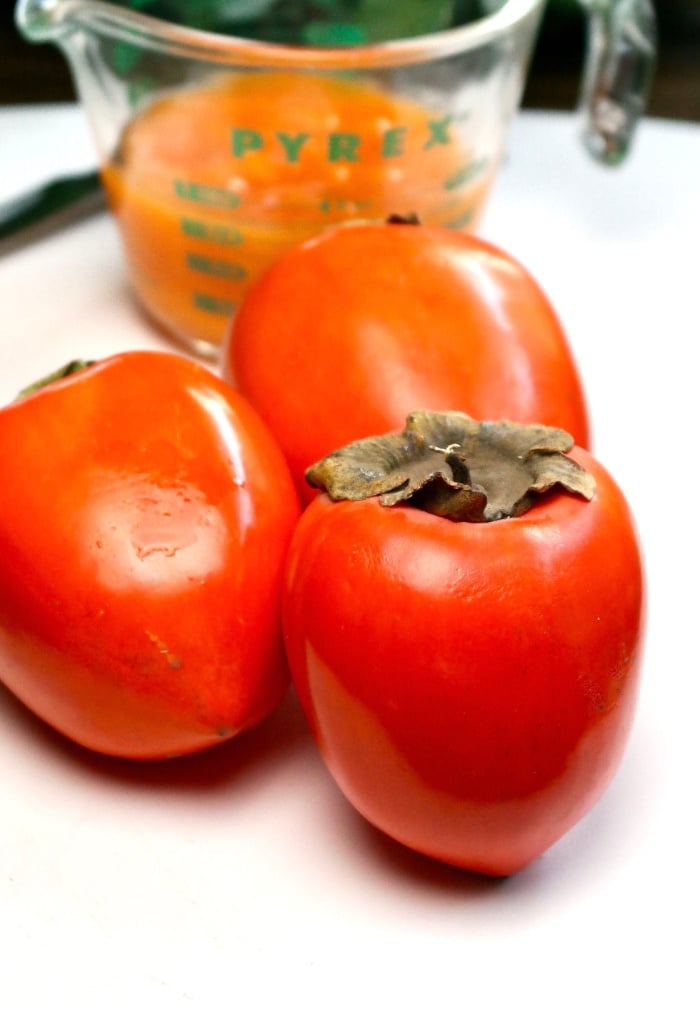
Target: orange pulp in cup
{"x": 212, "y": 183}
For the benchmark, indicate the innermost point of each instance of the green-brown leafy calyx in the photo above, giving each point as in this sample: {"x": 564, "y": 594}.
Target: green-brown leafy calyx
{"x": 69, "y": 369}
{"x": 456, "y": 467}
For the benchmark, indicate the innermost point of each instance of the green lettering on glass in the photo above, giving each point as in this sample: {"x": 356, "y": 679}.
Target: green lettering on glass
{"x": 292, "y": 145}
{"x": 206, "y": 195}
{"x": 209, "y": 303}
{"x": 214, "y": 267}
{"x": 439, "y": 132}
{"x": 343, "y": 146}
{"x": 245, "y": 140}
{"x": 220, "y": 234}
{"x": 393, "y": 142}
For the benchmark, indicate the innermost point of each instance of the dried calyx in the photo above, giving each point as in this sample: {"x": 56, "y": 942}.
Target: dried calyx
{"x": 454, "y": 466}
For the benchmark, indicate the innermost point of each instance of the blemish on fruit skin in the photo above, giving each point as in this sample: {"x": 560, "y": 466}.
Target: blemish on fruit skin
{"x": 172, "y": 659}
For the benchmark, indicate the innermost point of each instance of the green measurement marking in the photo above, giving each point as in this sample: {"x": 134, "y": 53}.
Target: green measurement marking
{"x": 215, "y": 267}
{"x": 460, "y": 222}
{"x": 206, "y": 195}
{"x": 343, "y": 206}
{"x": 466, "y": 174}
{"x": 210, "y": 303}
{"x": 219, "y": 234}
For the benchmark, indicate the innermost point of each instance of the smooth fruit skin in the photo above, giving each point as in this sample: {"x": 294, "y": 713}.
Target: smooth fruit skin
{"x": 146, "y": 518}
{"x": 471, "y": 687}
{"x": 350, "y": 332}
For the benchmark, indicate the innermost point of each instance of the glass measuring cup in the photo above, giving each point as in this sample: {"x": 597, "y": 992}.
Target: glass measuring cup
{"x": 219, "y": 151}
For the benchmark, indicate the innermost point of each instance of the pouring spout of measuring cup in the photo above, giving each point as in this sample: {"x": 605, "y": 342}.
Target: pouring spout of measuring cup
{"x": 620, "y": 63}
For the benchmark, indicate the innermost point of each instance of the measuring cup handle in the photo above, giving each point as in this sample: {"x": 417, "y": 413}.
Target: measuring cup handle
{"x": 620, "y": 62}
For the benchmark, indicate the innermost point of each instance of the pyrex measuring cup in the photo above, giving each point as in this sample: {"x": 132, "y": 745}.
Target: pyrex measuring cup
{"x": 218, "y": 151}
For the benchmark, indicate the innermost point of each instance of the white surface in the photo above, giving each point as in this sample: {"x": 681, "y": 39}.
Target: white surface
{"x": 240, "y": 883}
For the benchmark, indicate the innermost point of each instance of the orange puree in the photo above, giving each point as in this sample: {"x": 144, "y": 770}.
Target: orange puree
{"x": 212, "y": 183}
